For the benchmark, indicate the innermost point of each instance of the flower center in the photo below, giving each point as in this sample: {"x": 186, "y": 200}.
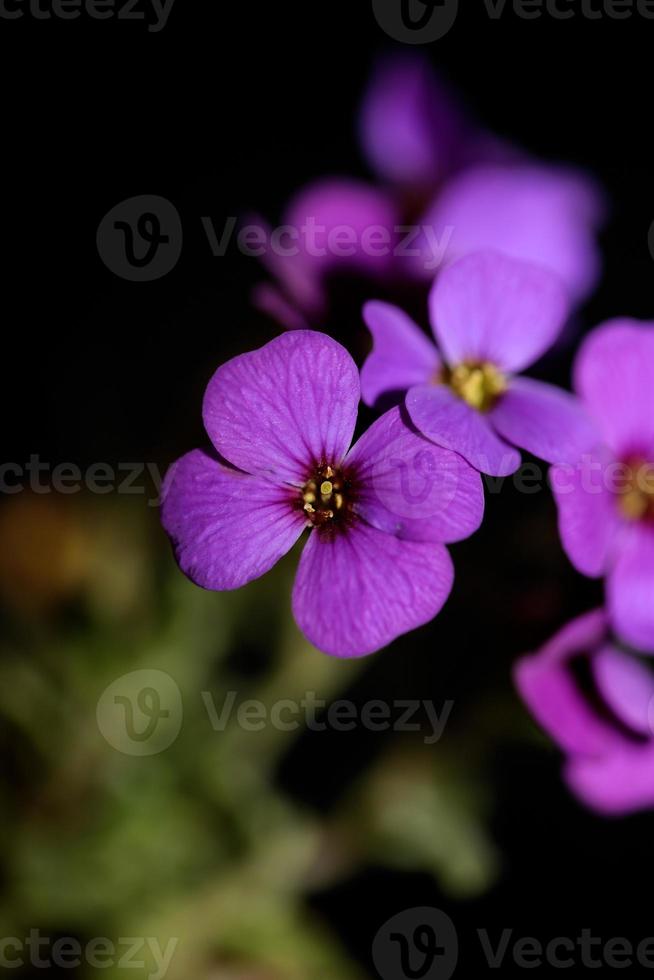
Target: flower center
{"x": 327, "y": 497}
{"x": 636, "y": 499}
{"x": 479, "y": 384}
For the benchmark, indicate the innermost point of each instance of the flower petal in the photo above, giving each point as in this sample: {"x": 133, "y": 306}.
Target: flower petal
{"x": 489, "y": 307}
{"x": 588, "y": 516}
{"x": 227, "y": 528}
{"x": 402, "y": 355}
{"x": 627, "y": 686}
{"x": 358, "y": 590}
{"x": 546, "y": 421}
{"x": 450, "y": 422}
{"x": 410, "y": 487}
{"x": 616, "y": 784}
{"x": 548, "y": 687}
{"x": 319, "y": 213}
{"x": 278, "y": 410}
{"x": 330, "y": 224}
{"x": 630, "y": 590}
{"x": 545, "y": 215}
{"x": 411, "y": 129}
{"x": 614, "y": 374}
{"x": 296, "y": 288}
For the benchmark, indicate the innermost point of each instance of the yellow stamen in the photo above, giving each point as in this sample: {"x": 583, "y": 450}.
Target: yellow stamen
{"x": 478, "y": 384}
{"x": 636, "y": 500}
{"x": 326, "y": 488}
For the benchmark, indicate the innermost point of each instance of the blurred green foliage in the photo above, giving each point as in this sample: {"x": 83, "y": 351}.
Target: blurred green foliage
{"x": 196, "y": 843}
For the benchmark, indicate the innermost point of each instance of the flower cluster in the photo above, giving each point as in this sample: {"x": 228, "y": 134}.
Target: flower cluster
{"x": 443, "y": 188}
{"x": 518, "y": 254}
{"x": 591, "y": 687}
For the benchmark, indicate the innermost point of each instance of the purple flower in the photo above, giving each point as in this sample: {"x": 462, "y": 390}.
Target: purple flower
{"x": 445, "y": 189}
{"x": 492, "y": 317}
{"x": 334, "y": 224}
{"x": 606, "y": 499}
{"x": 281, "y": 420}
{"x": 596, "y": 701}
{"x": 413, "y": 131}
{"x": 477, "y": 191}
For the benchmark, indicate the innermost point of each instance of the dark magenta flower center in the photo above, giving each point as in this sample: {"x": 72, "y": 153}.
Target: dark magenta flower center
{"x": 328, "y": 496}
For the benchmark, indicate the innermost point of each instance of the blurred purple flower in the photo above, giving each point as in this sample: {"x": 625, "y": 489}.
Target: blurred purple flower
{"x": 596, "y": 701}
{"x": 336, "y": 224}
{"x": 606, "y": 499}
{"x": 447, "y": 188}
{"x": 281, "y": 419}
{"x": 492, "y": 316}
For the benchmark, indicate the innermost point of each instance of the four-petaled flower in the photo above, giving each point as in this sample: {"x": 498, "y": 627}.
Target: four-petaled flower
{"x": 492, "y": 316}
{"x": 606, "y": 500}
{"x": 281, "y": 420}
{"x": 596, "y": 701}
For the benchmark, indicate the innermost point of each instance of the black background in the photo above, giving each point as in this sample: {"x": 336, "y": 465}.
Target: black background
{"x": 230, "y": 109}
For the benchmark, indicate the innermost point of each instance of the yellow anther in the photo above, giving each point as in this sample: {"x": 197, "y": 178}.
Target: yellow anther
{"x": 636, "y": 500}
{"x": 634, "y": 505}
{"x": 479, "y": 385}
{"x": 325, "y": 497}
